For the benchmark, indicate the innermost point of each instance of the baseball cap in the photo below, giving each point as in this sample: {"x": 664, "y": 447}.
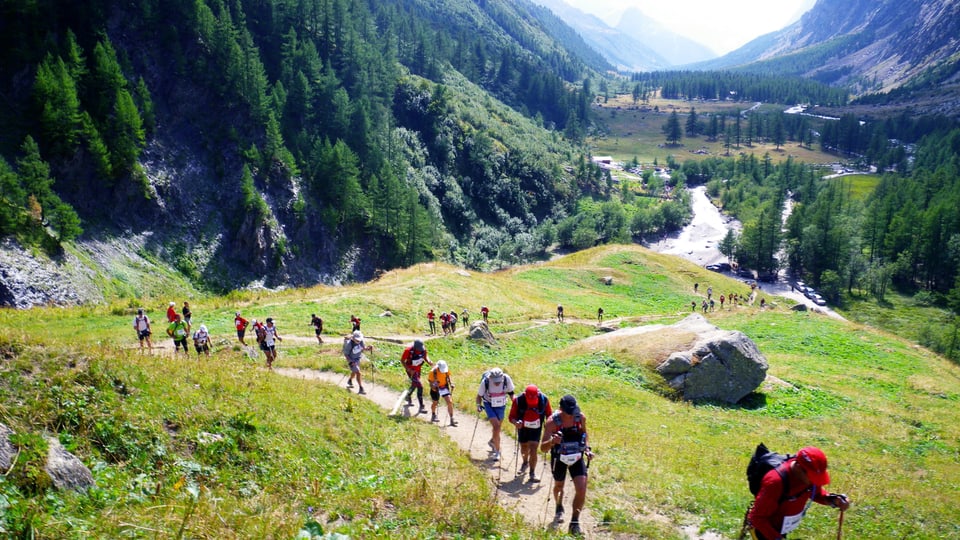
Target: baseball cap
{"x": 269, "y": 319}
{"x": 140, "y": 311}
{"x": 173, "y": 303}
{"x": 442, "y": 366}
{"x": 418, "y": 345}
{"x": 496, "y": 373}
{"x": 568, "y": 404}
{"x": 238, "y": 314}
{"x": 357, "y": 336}
{"x": 533, "y": 394}
{"x": 814, "y": 462}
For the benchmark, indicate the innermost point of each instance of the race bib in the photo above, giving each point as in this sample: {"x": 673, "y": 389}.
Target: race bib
{"x": 570, "y": 459}
{"x": 444, "y": 392}
{"x": 791, "y": 522}
{"x": 532, "y": 424}
{"x": 416, "y": 362}
{"x": 498, "y": 401}
{"x": 180, "y": 332}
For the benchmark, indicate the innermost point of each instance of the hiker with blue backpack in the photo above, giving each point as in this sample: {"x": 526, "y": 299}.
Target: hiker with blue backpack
{"x": 785, "y": 486}
{"x": 528, "y": 413}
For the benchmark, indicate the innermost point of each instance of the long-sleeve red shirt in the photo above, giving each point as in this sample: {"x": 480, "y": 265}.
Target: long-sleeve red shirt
{"x": 768, "y": 510}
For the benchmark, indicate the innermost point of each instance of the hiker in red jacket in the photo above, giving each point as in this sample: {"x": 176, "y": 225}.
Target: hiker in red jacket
{"x": 413, "y": 358}
{"x": 528, "y": 412}
{"x": 786, "y": 493}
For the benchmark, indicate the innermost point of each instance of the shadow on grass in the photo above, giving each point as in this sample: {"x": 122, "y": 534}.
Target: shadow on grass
{"x": 751, "y": 402}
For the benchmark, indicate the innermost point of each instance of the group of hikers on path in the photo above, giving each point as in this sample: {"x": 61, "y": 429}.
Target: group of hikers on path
{"x": 449, "y": 320}
{"x": 560, "y": 314}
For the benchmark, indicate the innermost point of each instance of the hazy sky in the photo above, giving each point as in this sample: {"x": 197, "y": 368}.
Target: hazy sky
{"x": 722, "y": 25}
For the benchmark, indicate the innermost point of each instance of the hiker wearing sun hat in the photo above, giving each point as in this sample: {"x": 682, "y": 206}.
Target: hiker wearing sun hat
{"x": 441, "y": 385}
{"x": 496, "y": 390}
{"x": 787, "y": 492}
{"x": 353, "y": 348}
{"x": 528, "y": 413}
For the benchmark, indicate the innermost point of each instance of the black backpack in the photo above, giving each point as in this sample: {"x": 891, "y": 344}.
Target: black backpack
{"x": 541, "y": 407}
{"x": 762, "y": 462}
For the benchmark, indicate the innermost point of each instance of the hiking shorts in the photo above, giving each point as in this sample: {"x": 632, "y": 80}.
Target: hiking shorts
{"x": 201, "y": 348}
{"x": 354, "y": 366}
{"x": 143, "y": 334}
{"x": 177, "y": 343}
{"x": 318, "y": 331}
{"x": 415, "y": 381}
{"x": 560, "y": 468}
{"x": 241, "y": 333}
{"x": 435, "y": 394}
{"x": 526, "y": 434}
{"x": 494, "y": 412}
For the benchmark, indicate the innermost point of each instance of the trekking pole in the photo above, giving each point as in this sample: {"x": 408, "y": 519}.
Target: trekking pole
{"x": 840, "y": 525}
{"x": 475, "y": 424}
{"x": 516, "y": 455}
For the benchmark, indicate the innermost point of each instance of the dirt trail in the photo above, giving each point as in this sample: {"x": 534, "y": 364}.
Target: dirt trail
{"x": 514, "y": 492}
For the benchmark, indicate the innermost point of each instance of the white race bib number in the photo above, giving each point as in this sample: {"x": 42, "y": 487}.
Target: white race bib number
{"x": 791, "y": 522}
{"x": 444, "y": 392}
{"x": 416, "y": 362}
{"x": 570, "y": 459}
{"x": 498, "y": 401}
{"x": 532, "y": 424}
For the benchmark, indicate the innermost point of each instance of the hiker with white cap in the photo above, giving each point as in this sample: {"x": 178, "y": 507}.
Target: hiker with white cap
{"x": 269, "y": 344}
{"x": 496, "y": 388}
{"x": 141, "y": 323}
{"x": 565, "y": 437}
{"x": 413, "y": 358}
{"x": 171, "y": 312}
{"x": 201, "y": 341}
{"x": 353, "y": 348}
{"x": 441, "y": 385}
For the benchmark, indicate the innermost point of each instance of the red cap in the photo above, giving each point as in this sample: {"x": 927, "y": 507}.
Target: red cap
{"x": 533, "y": 394}
{"x": 814, "y": 462}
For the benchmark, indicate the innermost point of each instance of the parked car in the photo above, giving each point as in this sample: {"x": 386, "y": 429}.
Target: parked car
{"x": 810, "y": 293}
{"x": 713, "y": 267}
{"x": 724, "y": 267}
{"x": 818, "y": 300}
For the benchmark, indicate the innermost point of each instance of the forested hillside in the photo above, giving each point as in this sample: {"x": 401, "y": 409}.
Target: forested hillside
{"x": 292, "y": 141}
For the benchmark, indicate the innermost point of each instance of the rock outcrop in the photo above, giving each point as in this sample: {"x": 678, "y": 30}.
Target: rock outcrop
{"x": 480, "y": 331}
{"x": 722, "y": 365}
{"x": 64, "y": 469}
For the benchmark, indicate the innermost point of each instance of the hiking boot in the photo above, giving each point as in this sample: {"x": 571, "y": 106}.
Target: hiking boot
{"x": 433, "y": 417}
{"x": 423, "y": 410}
{"x": 575, "y": 528}
{"x": 361, "y": 391}
{"x": 533, "y": 478}
{"x": 453, "y": 422}
{"x": 495, "y": 456}
{"x": 558, "y": 516}
{"x": 349, "y": 384}
{"x": 523, "y": 467}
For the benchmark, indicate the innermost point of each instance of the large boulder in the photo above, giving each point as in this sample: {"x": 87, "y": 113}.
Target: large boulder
{"x": 722, "y": 365}
{"x": 7, "y": 451}
{"x": 65, "y": 469}
{"x": 480, "y": 331}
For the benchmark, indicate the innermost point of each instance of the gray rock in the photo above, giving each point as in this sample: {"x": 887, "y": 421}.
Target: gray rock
{"x": 66, "y": 471}
{"x": 722, "y": 365}
{"x": 799, "y": 307}
{"x": 607, "y": 280}
{"x": 480, "y": 331}
{"x": 8, "y": 452}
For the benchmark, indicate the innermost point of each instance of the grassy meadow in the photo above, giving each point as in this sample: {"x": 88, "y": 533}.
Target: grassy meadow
{"x": 292, "y": 454}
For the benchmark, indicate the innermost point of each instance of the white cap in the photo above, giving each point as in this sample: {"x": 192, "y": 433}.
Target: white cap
{"x": 442, "y": 366}
{"x": 496, "y": 373}
{"x": 173, "y": 303}
{"x": 203, "y": 328}
{"x": 357, "y": 336}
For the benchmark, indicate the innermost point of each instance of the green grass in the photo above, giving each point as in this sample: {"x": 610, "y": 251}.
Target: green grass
{"x": 860, "y": 185}
{"x": 884, "y": 410}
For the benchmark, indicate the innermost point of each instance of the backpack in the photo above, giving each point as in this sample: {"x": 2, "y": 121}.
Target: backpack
{"x": 762, "y": 462}
{"x": 261, "y": 333}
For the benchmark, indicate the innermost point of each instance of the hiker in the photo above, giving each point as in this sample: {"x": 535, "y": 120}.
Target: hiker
{"x": 317, "y": 324}
{"x": 201, "y": 341}
{"x": 565, "y": 436}
{"x": 186, "y": 312}
{"x": 179, "y": 330}
{"x": 693, "y": 305}
{"x": 599, "y": 315}
{"x": 559, "y": 313}
{"x": 722, "y": 299}
{"x": 763, "y": 303}
{"x": 695, "y": 287}
{"x": 441, "y": 385}
{"x": 484, "y": 310}
{"x": 413, "y": 358}
{"x": 241, "y": 325}
{"x": 355, "y": 322}
{"x": 465, "y": 315}
{"x": 452, "y": 319}
{"x": 712, "y": 304}
{"x": 785, "y": 493}
{"x": 495, "y": 386}
{"x": 432, "y": 322}
{"x": 141, "y": 323}
{"x": 528, "y": 412}
{"x": 444, "y": 323}
{"x": 704, "y": 305}
{"x": 709, "y": 292}
{"x": 172, "y": 312}
{"x": 353, "y": 348}
{"x": 269, "y": 343}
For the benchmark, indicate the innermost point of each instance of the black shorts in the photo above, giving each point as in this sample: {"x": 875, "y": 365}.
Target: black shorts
{"x": 263, "y": 346}
{"x": 560, "y": 468}
{"x": 143, "y": 334}
{"x": 526, "y": 434}
{"x": 318, "y": 331}
{"x": 241, "y": 333}
{"x": 177, "y": 343}
{"x": 201, "y": 348}
{"x": 435, "y": 394}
